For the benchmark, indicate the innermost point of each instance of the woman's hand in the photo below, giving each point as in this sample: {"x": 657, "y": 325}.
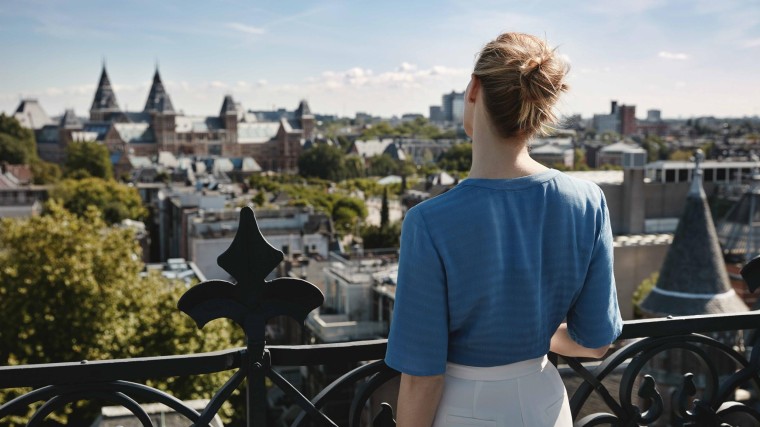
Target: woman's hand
{"x": 418, "y": 399}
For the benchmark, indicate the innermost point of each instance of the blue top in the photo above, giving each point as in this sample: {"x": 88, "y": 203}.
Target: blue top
{"x": 489, "y": 269}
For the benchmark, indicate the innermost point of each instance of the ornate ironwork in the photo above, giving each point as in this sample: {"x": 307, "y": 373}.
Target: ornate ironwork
{"x": 251, "y": 301}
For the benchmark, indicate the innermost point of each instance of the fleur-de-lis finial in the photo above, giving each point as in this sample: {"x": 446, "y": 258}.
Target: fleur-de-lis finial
{"x": 252, "y": 300}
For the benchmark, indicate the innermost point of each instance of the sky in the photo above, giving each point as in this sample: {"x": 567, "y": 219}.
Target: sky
{"x": 684, "y": 57}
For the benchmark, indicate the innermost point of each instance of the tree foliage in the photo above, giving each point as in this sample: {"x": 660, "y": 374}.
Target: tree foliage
{"x": 45, "y": 172}
{"x": 323, "y": 161}
{"x": 71, "y": 290}
{"x": 641, "y": 292}
{"x": 17, "y": 144}
{"x": 114, "y": 200}
{"x": 457, "y": 158}
{"x": 375, "y": 237}
{"x": 88, "y": 158}
{"x": 383, "y": 165}
{"x": 420, "y": 127}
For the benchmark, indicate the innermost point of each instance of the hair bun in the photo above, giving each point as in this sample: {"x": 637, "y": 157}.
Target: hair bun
{"x": 522, "y": 78}
{"x": 532, "y": 65}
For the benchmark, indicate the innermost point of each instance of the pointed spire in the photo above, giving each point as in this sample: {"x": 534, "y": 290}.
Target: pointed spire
{"x": 158, "y": 100}
{"x": 70, "y": 120}
{"x": 105, "y": 99}
{"x": 303, "y": 109}
{"x": 228, "y": 106}
{"x": 693, "y": 278}
{"x": 696, "y": 189}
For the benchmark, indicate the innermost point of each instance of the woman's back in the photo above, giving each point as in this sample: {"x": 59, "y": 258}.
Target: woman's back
{"x": 515, "y": 256}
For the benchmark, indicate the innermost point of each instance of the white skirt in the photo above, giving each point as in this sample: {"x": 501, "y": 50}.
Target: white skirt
{"x": 527, "y": 393}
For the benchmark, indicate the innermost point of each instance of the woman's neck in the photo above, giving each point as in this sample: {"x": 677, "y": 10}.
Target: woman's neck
{"x": 494, "y": 157}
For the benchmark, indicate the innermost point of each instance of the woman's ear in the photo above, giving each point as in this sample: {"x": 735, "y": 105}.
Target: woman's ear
{"x": 473, "y": 89}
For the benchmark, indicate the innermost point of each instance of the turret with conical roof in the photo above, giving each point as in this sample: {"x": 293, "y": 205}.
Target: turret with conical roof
{"x": 306, "y": 118}
{"x": 693, "y": 278}
{"x": 158, "y": 99}
{"x": 104, "y": 104}
{"x": 70, "y": 120}
{"x": 229, "y": 117}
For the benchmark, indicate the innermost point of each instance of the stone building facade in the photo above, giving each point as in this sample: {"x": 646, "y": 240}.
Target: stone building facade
{"x": 275, "y": 145}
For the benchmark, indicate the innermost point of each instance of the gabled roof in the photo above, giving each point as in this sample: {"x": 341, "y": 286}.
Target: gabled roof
{"x": 158, "y": 100}
{"x": 105, "y": 98}
{"x": 371, "y": 147}
{"x": 31, "y": 115}
{"x": 622, "y": 147}
{"x": 135, "y": 133}
{"x": 693, "y": 278}
{"x": 254, "y": 133}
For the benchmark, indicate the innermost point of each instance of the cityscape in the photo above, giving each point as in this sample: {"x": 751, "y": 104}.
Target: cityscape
{"x": 114, "y": 202}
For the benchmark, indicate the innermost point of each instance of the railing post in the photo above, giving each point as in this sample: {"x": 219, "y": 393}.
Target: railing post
{"x": 251, "y": 302}
{"x": 256, "y": 391}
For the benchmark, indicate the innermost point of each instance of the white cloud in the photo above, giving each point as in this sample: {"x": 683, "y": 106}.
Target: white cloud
{"x": 748, "y": 44}
{"x": 406, "y": 67}
{"x": 243, "y": 28}
{"x": 217, "y": 84}
{"x": 678, "y": 56}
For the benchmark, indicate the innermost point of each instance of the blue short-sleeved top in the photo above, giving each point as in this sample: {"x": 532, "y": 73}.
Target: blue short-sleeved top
{"x": 489, "y": 269}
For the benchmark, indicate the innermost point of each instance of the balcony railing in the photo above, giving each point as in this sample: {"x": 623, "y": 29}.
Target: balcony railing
{"x": 620, "y": 390}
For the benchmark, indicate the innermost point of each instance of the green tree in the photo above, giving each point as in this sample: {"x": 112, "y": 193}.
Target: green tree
{"x": 457, "y": 158}
{"x": 45, "y": 172}
{"x": 114, "y": 200}
{"x": 17, "y": 144}
{"x": 383, "y": 165}
{"x": 323, "y": 161}
{"x": 88, "y": 158}
{"x": 375, "y": 237}
{"x": 579, "y": 160}
{"x": 354, "y": 166}
{"x": 641, "y": 292}
{"x": 346, "y": 211}
{"x": 682, "y": 155}
{"x": 379, "y": 130}
{"x": 71, "y": 290}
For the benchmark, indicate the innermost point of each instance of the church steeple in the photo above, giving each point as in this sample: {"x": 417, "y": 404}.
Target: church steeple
{"x": 158, "y": 100}
{"x": 104, "y": 104}
{"x": 693, "y": 278}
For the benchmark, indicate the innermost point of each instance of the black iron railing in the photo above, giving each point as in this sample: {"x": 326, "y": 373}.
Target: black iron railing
{"x": 623, "y": 384}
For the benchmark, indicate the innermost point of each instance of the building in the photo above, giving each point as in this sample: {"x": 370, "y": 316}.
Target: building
{"x": 453, "y": 107}
{"x": 296, "y": 231}
{"x": 613, "y": 154}
{"x": 275, "y": 144}
{"x": 436, "y": 114}
{"x": 553, "y": 151}
{"x": 693, "y": 281}
{"x": 620, "y": 120}
{"x": 351, "y": 311}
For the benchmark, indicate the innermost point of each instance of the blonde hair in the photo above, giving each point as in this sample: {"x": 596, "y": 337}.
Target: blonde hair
{"x": 522, "y": 79}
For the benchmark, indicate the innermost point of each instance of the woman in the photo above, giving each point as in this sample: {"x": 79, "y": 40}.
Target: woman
{"x": 490, "y": 269}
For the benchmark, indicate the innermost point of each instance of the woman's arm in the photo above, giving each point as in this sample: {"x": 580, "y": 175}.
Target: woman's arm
{"x": 562, "y": 344}
{"x": 418, "y": 399}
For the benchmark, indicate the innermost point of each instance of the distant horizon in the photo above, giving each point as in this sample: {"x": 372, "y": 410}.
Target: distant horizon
{"x": 686, "y": 58}
{"x": 180, "y": 111}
